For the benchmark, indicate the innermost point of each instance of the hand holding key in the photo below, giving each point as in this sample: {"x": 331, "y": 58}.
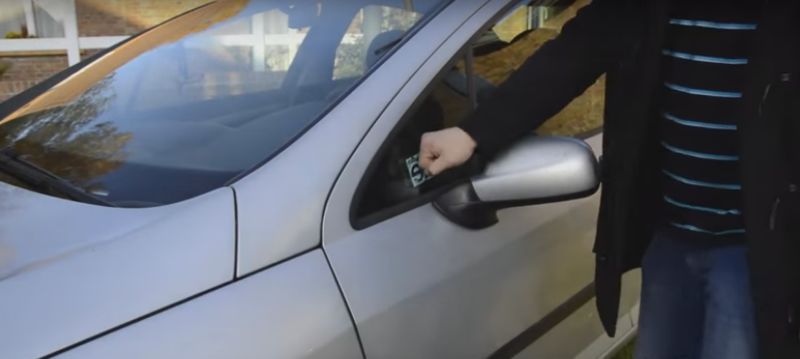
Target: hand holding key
{"x": 445, "y": 149}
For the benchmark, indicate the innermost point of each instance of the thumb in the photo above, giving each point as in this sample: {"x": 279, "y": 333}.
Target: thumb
{"x": 437, "y": 166}
{"x": 426, "y": 157}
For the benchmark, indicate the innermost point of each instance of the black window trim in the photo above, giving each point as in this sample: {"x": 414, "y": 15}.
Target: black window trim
{"x": 366, "y": 221}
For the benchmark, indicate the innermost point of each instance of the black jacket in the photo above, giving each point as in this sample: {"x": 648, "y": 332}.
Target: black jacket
{"x": 623, "y": 39}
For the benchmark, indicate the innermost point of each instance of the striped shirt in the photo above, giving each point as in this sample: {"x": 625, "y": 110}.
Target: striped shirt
{"x": 704, "y": 57}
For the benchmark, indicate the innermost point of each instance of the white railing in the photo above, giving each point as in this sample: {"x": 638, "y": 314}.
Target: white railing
{"x": 73, "y": 44}
{"x": 70, "y": 43}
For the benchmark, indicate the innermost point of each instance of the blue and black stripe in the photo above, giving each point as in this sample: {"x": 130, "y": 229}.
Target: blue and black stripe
{"x": 705, "y": 57}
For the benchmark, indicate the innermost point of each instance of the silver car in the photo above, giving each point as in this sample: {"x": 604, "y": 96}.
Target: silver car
{"x": 241, "y": 182}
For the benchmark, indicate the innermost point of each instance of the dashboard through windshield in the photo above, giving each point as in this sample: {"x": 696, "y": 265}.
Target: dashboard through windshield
{"x": 188, "y": 106}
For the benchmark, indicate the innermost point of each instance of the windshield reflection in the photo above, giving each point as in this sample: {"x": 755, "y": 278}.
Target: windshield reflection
{"x": 191, "y": 104}
{"x": 70, "y": 142}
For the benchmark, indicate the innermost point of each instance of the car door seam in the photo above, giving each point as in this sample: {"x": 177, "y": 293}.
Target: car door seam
{"x": 344, "y": 302}
{"x": 235, "y": 233}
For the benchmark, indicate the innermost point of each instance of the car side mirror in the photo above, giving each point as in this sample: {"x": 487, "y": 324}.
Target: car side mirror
{"x": 535, "y": 170}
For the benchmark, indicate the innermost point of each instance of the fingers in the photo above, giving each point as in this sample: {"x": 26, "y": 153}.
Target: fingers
{"x": 426, "y": 152}
{"x": 426, "y": 157}
{"x": 444, "y": 149}
{"x": 438, "y": 166}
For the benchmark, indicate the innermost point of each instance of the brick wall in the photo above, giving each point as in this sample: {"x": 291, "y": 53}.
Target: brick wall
{"x": 24, "y": 72}
{"x": 95, "y": 18}
{"x": 127, "y": 17}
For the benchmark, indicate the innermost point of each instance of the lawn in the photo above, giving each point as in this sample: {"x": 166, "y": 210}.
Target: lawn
{"x": 626, "y": 352}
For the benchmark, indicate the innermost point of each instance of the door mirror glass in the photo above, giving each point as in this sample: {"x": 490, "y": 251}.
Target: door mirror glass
{"x": 535, "y": 170}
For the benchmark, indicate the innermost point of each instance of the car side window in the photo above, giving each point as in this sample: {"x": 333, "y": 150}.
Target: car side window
{"x": 372, "y": 32}
{"x": 519, "y": 35}
{"x": 394, "y": 178}
{"x": 391, "y": 184}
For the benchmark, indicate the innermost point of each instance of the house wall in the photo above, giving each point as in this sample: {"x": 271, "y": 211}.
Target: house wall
{"x": 20, "y": 71}
{"x": 126, "y": 17}
{"x": 25, "y": 72}
{"x": 129, "y": 17}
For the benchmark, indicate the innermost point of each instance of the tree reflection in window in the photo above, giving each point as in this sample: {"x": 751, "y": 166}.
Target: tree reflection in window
{"x": 72, "y": 142}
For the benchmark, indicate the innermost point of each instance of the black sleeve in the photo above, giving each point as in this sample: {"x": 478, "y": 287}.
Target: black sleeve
{"x": 589, "y": 45}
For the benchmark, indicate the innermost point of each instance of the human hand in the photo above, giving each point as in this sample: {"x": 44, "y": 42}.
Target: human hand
{"x": 445, "y": 149}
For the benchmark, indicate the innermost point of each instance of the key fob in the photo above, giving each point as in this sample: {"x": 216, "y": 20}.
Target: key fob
{"x": 416, "y": 175}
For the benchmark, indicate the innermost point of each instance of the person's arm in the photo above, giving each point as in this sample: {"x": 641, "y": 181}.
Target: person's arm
{"x": 589, "y": 45}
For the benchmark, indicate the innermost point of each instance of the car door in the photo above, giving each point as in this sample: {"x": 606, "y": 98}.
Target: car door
{"x": 421, "y": 286}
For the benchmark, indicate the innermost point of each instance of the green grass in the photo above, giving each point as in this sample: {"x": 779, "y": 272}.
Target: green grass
{"x": 626, "y": 352}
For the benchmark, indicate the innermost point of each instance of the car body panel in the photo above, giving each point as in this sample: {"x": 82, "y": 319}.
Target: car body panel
{"x": 441, "y": 291}
{"x": 77, "y": 270}
{"x": 281, "y": 204}
{"x": 291, "y": 310}
{"x": 419, "y": 286}
{"x": 238, "y": 272}
{"x": 583, "y": 326}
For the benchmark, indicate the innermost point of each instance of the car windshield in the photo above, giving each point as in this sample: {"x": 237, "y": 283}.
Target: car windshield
{"x": 192, "y": 104}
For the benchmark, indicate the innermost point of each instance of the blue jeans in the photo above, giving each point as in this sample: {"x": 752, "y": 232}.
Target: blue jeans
{"x": 696, "y": 302}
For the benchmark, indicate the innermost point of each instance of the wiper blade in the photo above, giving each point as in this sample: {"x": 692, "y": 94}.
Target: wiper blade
{"x": 380, "y": 50}
{"x": 41, "y": 179}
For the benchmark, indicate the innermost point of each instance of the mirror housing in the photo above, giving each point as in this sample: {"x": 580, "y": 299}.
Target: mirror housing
{"x": 534, "y": 170}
